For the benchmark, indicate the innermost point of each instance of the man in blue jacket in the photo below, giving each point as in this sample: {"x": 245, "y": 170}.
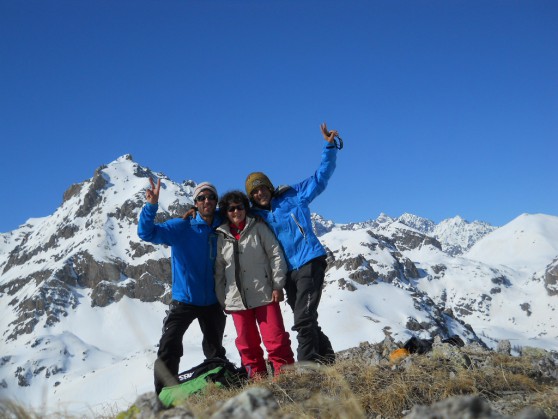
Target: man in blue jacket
{"x": 193, "y": 244}
{"x": 286, "y": 211}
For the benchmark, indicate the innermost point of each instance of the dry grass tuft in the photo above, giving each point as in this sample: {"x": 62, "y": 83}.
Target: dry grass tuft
{"x": 353, "y": 389}
{"x": 13, "y": 410}
{"x": 9, "y": 410}
{"x": 315, "y": 391}
{"x": 204, "y": 404}
{"x": 350, "y": 389}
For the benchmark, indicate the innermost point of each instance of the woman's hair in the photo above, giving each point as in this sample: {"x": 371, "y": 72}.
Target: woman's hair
{"x": 233, "y": 197}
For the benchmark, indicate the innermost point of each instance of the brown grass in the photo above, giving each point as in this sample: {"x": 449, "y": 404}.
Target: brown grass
{"x": 352, "y": 389}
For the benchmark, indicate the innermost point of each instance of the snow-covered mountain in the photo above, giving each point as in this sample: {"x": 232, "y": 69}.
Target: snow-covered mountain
{"x": 82, "y": 298}
{"x": 456, "y": 235}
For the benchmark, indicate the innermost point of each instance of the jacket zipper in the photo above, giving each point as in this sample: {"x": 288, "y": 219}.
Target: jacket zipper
{"x": 298, "y": 225}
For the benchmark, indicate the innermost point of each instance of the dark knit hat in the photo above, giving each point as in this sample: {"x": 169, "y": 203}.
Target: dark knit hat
{"x": 205, "y": 186}
{"x": 255, "y": 180}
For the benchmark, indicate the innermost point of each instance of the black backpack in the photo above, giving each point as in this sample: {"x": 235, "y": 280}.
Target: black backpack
{"x": 421, "y": 346}
{"x": 214, "y": 370}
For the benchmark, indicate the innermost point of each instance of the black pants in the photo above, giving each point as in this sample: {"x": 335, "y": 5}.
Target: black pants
{"x": 304, "y": 291}
{"x": 178, "y": 319}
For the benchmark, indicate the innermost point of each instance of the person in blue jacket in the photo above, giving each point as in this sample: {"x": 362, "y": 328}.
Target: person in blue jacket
{"x": 193, "y": 244}
{"x": 286, "y": 211}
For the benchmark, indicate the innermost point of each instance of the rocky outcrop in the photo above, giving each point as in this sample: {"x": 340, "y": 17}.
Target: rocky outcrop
{"x": 52, "y": 300}
{"x": 92, "y": 197}
{"x": 72, "y": 191}
{"x": 320, "y": 225}
{"x": 344, "y": 285}
{"x": 108, "y": 281}
{"x": 551, "y": 278}
{"x": 147, "y": 289}
{"x": 21, "y": 255}
{"x": 464, "y": 407}
{"x": 361, "y": 270}
{"x": 409, "y": 268}
{"x": 252, "y": 403}
{"x": 129, "y": 210}
{"x": 158, "y": 269}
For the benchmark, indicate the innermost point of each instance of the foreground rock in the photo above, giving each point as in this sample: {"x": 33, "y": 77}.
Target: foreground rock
{"x": 253, "y": 403}
{"x": 466, "y": 407}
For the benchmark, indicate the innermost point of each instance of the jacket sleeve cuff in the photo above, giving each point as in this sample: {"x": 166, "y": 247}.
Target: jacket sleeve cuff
{"x": 151, "y": 208}
{"x": 329, "y": 147}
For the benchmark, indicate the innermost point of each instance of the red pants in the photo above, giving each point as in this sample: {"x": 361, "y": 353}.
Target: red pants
{"x": 275, "y": 339}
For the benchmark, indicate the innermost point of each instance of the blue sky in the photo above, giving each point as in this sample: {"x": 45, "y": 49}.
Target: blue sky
{"x": 446, "y": 107}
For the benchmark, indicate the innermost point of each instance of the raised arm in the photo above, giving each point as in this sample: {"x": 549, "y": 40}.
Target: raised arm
{"x": 311, "y": 187}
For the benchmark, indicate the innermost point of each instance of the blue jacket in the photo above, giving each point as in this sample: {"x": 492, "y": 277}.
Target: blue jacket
{"x": 289, "y": 217}
{"x": 193, "y": 250}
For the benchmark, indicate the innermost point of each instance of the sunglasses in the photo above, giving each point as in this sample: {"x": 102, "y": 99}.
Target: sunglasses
{"x": 201, "y": 198}
{"x": 235, "y": 207}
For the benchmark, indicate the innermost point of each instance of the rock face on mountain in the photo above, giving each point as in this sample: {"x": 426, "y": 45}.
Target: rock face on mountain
{"x": 402, "y": 276}
{"x": 551, "y": 278}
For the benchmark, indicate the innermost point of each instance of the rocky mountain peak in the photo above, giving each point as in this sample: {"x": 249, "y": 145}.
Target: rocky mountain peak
{"x": 421, "y": 224}
{"x": 321, "y": 225}
{"x": 458, "y": 235}
{"x": 90, "y": 242}
{"x": 125, "y": 157}
{"x": 384, "y": 218}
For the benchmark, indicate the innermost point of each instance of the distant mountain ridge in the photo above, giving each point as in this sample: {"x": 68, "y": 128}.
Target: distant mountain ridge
{"x": 402, "y": 277}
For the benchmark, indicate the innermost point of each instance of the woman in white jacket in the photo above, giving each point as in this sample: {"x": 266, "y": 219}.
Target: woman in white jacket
{"x": 250, "y": 272}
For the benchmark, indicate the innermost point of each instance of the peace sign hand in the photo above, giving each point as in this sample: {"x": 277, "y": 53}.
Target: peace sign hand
{"x": 152, "y": 195}
{"x": 329, "y": 136}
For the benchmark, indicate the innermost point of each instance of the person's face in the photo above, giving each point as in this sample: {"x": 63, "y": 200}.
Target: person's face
{"x": 236, "y": 212}
{"x": 206, "y": 202}
{"x": 262, "y": 196}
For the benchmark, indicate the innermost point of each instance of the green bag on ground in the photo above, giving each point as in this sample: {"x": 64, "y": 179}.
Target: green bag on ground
{"x": 215, "y": 370}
